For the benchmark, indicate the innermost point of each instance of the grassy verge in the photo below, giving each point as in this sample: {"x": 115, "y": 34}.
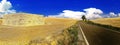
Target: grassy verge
{"x": 68, "y": 36}
{"x": 106, "y": 26}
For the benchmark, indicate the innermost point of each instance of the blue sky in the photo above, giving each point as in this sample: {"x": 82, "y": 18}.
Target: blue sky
{"x": 53, "y": 7}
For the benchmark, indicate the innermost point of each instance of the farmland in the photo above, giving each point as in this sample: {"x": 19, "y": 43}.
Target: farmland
{"x": 115, "y": 22}
{"x": 43, "y": 34}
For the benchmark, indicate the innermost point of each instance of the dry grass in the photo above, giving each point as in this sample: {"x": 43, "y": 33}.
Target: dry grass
{"x": 108, "y": 21}
{"x": 0, "y": 21}
{"x": 63, "y": 21}
{"x": 22, "y": 35}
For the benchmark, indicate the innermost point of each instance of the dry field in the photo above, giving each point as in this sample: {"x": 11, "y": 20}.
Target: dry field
{"x": 0, "y": 21}
{"x": 115, "y": 22}
{"x": 10, "y": 35}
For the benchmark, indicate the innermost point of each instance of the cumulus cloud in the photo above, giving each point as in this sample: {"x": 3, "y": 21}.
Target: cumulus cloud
{"x": 93, "y": 13}
{"x": 90, "y": 13}
{"x": 119, "y": 14}
{"x": 69, "y": 14}
{"x": 112, "y": 14}
{"x": 5, "y": 8}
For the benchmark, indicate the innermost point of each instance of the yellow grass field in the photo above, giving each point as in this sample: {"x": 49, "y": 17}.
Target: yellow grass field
{"x": 0, "y": 21}
{"x": 10, "y": 35}
{"x": 108, "y": 21}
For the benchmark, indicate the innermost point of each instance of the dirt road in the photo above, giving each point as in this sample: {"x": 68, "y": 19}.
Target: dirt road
{"x": 100, "y": 36}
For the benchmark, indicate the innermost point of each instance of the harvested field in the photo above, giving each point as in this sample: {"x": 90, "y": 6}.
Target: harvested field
{"x": 115, "y": 22}
{"x": 49, "y": 33}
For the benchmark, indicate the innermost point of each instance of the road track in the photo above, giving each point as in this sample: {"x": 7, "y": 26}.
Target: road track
{"x": 96, "y": 35}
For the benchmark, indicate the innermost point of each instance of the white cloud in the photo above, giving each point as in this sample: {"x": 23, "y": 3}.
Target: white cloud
{"x": 5, "y": 8}
{"x": 72, "y": 14}
{"x": 119, "y": 14}
{"x": 69, "y": 14}
{"x": 90, "y": 13}
{"x": 112, "y": 14}
{"x": 93, "y": 13}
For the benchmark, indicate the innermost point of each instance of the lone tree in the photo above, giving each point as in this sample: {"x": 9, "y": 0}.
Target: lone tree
{"x": 83, "y": 18}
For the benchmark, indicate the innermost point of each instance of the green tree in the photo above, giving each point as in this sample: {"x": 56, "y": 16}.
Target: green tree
{"x": 83, "y": 18}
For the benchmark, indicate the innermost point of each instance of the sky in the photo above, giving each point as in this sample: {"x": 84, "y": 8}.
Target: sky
{"x": 58, "y": 7}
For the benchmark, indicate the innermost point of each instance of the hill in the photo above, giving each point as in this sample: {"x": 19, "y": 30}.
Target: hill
{"x": 0, "y": 21}
{"x": 115, "y": 22}
{"x": 55, "y": 29}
